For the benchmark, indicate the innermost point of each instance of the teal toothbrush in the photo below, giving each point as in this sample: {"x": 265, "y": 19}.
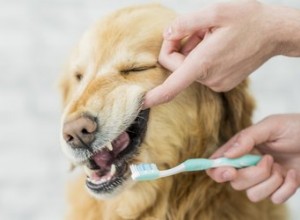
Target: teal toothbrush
{"x": 149, "y": 171}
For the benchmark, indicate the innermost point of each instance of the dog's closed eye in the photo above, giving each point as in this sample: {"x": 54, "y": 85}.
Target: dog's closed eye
{"x": 137, "y": 69}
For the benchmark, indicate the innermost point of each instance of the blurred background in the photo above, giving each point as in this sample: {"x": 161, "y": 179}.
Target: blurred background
{"x": 36, "y": 37}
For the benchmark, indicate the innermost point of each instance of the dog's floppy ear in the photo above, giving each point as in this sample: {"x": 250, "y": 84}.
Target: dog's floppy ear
{"x": 238, "y": 108}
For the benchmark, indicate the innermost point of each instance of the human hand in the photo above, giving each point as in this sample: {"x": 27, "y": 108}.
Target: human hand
{"x": 218, "y": 46}
{"x": 277, "y": 176}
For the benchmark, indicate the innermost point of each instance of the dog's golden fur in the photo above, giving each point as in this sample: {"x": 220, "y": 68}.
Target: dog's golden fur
{"x": 192, "y": 125}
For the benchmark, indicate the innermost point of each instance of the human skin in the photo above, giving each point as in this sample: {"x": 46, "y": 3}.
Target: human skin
{"x": 277, "y": 176}
{"x": 224, "y": 43}
{"x": 219, "y": 46}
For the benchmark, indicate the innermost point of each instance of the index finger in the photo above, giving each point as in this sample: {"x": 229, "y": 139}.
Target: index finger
{"x": 170, "y": 56}
{"x": 171, "y": 87}
{"x": 244, "y": 141}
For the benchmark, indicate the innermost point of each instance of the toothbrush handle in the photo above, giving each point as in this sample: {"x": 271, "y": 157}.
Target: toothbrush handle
{"x": 244, "y": 161}
{"x": 204, "y": 164}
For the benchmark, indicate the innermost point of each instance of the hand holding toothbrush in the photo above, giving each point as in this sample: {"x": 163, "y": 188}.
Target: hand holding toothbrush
{"x": 277, "y": 175}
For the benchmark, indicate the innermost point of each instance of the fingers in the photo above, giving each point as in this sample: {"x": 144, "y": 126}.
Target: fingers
{"x": 236, "y": 146}
{"x": 245, "y": 141}
{"x": 222, "y": 174}
{"x": 170, "y": 57}
{"x": 192, "y": 26}
{"x": 191, "y": 43}
{"x": 170, "y": 88}
{"x": 243, "y": 178}
{"x": 267, "y": 187}
{"x": 251, "y": 176}
{"x": 188, "y": 24}
{"x": 221, "y": 150}
{"x": 288, "y": 188}
{"x": 266, "y": 180}
{"x": 184, "y": 76}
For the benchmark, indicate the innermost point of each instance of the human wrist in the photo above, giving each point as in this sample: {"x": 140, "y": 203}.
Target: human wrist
{"x": 286, "y": 30}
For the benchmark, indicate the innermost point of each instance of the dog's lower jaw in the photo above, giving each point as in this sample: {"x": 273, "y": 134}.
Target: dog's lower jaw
{"x": 142, "y": 201}
{"x": 145, "y": 202}
{"x": 128, "y": 183}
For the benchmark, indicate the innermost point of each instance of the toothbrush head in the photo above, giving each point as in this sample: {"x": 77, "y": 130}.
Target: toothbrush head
{"x": 144, "y": 171}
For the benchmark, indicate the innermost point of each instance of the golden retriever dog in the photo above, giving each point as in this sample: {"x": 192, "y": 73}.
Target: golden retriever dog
{"x": 105, "y": 129}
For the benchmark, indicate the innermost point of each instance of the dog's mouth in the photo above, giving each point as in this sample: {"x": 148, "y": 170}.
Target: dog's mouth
{"x": 107, "y": 169}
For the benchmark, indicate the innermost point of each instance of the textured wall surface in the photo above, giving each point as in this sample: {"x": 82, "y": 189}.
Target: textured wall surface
{"x": 35, "y": 39}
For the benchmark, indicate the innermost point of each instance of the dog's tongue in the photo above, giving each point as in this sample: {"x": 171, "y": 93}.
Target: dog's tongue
{"x": 105, "y": 158}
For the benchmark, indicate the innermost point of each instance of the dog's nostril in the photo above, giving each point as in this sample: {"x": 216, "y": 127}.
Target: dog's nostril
{"x": 80, "y": 132}
{"x": 84, "y": 131}
{"x": 68, "y": 138}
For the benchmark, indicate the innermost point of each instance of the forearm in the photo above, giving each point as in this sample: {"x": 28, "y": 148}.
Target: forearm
{"x": 287, "y": 28}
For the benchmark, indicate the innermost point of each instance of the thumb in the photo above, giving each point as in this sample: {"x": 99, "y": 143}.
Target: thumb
{"x": 247, "y": 139}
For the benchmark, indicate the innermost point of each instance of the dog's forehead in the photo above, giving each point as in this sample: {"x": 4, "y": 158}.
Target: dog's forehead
{"x": 101, "y": 56}
{"x": 125, "y": 39}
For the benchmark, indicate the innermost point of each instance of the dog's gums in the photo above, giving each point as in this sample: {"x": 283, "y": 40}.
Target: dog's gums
{"x": 107, "y": 168}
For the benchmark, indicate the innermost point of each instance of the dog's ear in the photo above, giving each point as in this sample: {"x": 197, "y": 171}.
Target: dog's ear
{"x": 238, "y": 108}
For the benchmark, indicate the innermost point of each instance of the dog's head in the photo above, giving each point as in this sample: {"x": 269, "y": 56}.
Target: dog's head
{"x": 103, "y": 126}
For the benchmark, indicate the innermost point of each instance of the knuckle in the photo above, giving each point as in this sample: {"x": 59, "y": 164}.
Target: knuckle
{"x": 162, "y": 58}
{"x": 204, "y": 73}
{"x": 169, "y": 95}
{"x": 264, "y": 172}
{"x": 269, "y": 118}
{"x": 179, "y": 24}
{"x": 217, "y": 11}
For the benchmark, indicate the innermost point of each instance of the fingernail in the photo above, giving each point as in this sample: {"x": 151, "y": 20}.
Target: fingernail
{"x": 233, "y": 149}
{"x": 226, "y": 175}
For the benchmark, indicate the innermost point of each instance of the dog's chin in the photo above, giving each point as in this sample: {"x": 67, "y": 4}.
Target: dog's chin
{"x": 108, "y": 168}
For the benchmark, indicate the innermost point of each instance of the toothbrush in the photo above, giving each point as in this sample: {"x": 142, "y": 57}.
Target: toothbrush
{"x": 149, "y": 171}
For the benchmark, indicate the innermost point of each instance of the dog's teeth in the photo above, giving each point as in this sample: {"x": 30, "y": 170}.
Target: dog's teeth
{"x": 87, "y": 171}
{"x": 109, "y": 146}
{"x": 113, "y": 170}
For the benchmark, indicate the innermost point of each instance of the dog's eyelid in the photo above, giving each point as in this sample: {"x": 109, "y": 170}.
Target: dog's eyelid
{"x": 138, "y": 68}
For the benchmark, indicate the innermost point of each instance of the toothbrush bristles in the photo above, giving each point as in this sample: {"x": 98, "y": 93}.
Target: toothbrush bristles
{"x": 144, "y": 171}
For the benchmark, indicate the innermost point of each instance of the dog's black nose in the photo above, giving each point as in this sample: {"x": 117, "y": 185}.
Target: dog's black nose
{"x": 80, "y": 132}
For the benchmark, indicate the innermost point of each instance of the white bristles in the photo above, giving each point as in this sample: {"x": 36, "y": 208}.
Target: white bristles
{"x": 149, "y": 171}
{"x": 142, "y": 171}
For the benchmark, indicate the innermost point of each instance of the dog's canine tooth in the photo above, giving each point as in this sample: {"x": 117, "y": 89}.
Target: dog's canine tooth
{"x": 113, "y": 169}
{"x": 109, "y": 146}
{"x": 87, "y": 171}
